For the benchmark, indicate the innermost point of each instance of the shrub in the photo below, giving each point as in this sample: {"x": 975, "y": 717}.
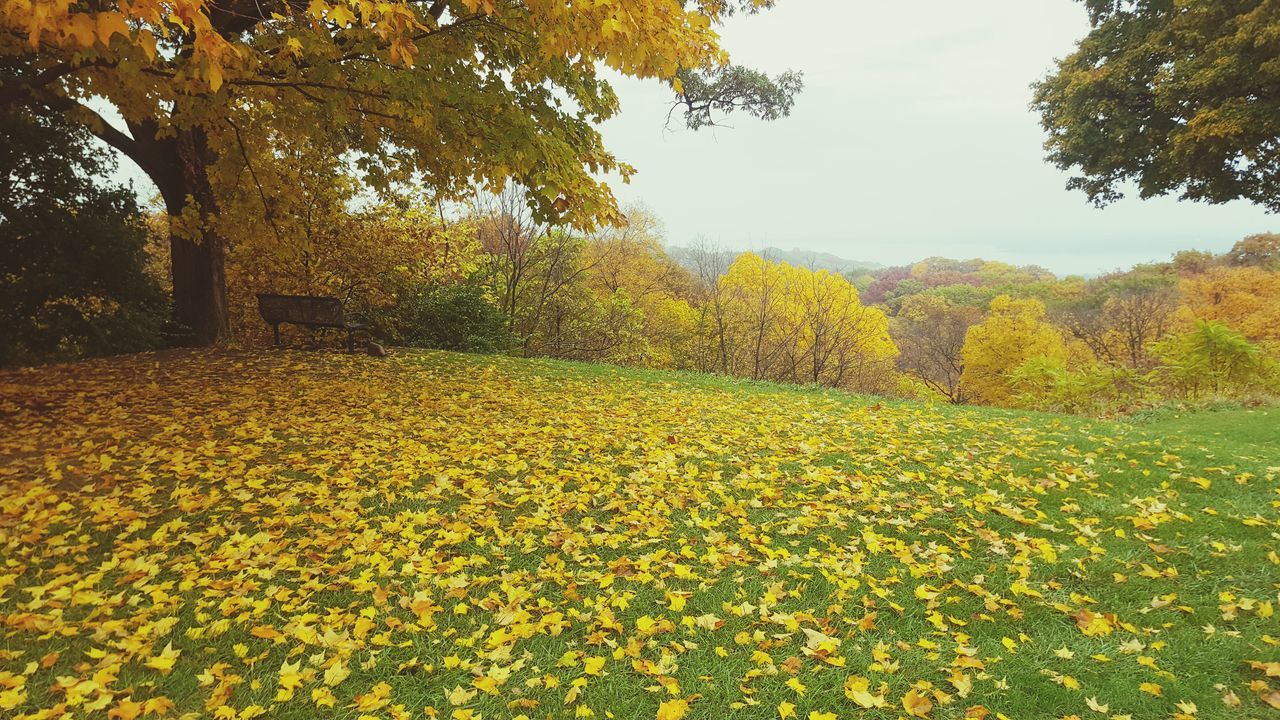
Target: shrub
{"x": 444, "y": 317}
{"x": 1046, "y": 383}
{"x": 73, "y": 278}
{"x": 1212, "y": 359}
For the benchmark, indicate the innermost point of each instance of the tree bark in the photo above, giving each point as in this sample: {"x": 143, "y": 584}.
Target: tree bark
{"x": 199, "y": 257}
{"x": 178, "y": 163}
{"x": 179, "y": 166}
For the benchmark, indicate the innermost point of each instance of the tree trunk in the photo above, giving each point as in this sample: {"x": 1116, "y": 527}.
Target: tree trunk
{"x": 198, "y": 254}
{"x": 178, "y": 161}
{"x": 199, "y": 288}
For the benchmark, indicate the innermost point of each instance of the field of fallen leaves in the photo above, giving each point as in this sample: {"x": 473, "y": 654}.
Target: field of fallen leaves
{"x": 298, "y": 535}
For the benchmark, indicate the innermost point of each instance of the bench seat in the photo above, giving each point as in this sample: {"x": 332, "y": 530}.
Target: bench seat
{"x": 309, "y": 311}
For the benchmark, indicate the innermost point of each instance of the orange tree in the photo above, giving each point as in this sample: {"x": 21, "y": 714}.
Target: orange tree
{"x": 443, "y": 92}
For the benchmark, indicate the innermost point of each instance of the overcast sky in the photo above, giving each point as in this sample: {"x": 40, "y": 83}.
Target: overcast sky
{"x": 912, "y": 138}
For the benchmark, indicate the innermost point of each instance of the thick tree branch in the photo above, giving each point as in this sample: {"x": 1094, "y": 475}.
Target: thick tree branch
{"x": 153, "y": 155}
{"x": 97, "y": 124}
{"x": 17, "y": 89}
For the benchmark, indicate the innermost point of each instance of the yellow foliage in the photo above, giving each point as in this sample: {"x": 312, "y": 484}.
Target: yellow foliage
{"x": 264, "y": 58}
{"x": 780, "y": 322}
{"x": 1013, "y": 331}
{"x": 1246, "y": 299}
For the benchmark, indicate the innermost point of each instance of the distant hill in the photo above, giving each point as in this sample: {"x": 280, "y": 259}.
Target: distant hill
{"x": 796, "y": 256}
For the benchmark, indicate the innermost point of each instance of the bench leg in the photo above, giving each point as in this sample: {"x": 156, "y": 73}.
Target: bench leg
{"x": 276, "y": 328}
{"x": 351, "y": 341}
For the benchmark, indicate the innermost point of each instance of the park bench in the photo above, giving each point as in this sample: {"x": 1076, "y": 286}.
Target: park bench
{"x": 310, "y": 311}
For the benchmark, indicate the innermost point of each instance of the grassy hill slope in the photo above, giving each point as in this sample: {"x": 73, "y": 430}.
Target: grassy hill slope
{"x": 293, "y": 534}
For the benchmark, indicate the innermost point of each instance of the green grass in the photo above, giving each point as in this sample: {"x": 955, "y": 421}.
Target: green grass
{"x": 211, "y": 500}
{"x": 1251, "y": 431}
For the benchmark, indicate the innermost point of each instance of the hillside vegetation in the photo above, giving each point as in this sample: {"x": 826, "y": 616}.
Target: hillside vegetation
{"x": 436, "y": 535}
{"x": 489, "y": 275}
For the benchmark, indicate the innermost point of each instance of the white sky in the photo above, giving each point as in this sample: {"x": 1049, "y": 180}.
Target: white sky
{"x": 912, "y": 138}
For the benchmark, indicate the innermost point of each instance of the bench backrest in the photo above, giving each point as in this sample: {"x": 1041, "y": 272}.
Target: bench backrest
{"x": 304, "y": 309}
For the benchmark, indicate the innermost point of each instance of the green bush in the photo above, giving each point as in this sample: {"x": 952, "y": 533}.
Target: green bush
{"x": 1212, "y": 359}
{"x": 1042, "y": 383}
{"x": 73, "y": 279}
{"x": 444, "y": 317}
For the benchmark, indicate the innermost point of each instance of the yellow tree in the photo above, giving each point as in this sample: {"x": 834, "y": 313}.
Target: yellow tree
{"x": 1243, "y": 298}
{"x": 1013, "y": 331}
{"x": 756, "y": 325}
{"x": 629, "y": 256}
{"x": 442, "y": 92}
{"x": 796, "y": 325}
{"x": 839, "y": 342}
{"x": 670, "y": 332}
{"x": 629, "y": 259}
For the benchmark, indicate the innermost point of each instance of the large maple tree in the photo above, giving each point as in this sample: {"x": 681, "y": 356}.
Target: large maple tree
{"x": 450, "y": 93}
{"x": 1169, "y": 97}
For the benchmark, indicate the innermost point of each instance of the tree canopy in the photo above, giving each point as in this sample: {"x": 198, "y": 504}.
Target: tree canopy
{"x": 1177, "y": 97}
{"x": 445, "y": 93}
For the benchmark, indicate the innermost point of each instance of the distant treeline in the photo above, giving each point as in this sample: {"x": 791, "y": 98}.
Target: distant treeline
{"x": 1199, "y": 326}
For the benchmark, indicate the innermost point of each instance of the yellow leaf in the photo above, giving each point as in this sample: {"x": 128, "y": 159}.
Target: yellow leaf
{"x": 109, "y": 25}
{"x": 916, "y": 704}
{"x": 673, "y": 710}
{"x": 83, "y": 28}
{"x": 376, "y": 699}
{"x": 147, "y": 41}
{"x": 341, "y": 15}
{"x": 265, "y": 632}
{"x": 336, "y": 673}
{"x": 214, "y": 74}
{"x": 323, "y": 697}
{"x": 459, "y": 696}
{"x": 290, "y": 680}
{"x": 857, "y": 689}
{"x": 165, "y": 660}
{"x": 708, "y": 622}
{"x": 125, "y": 709}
